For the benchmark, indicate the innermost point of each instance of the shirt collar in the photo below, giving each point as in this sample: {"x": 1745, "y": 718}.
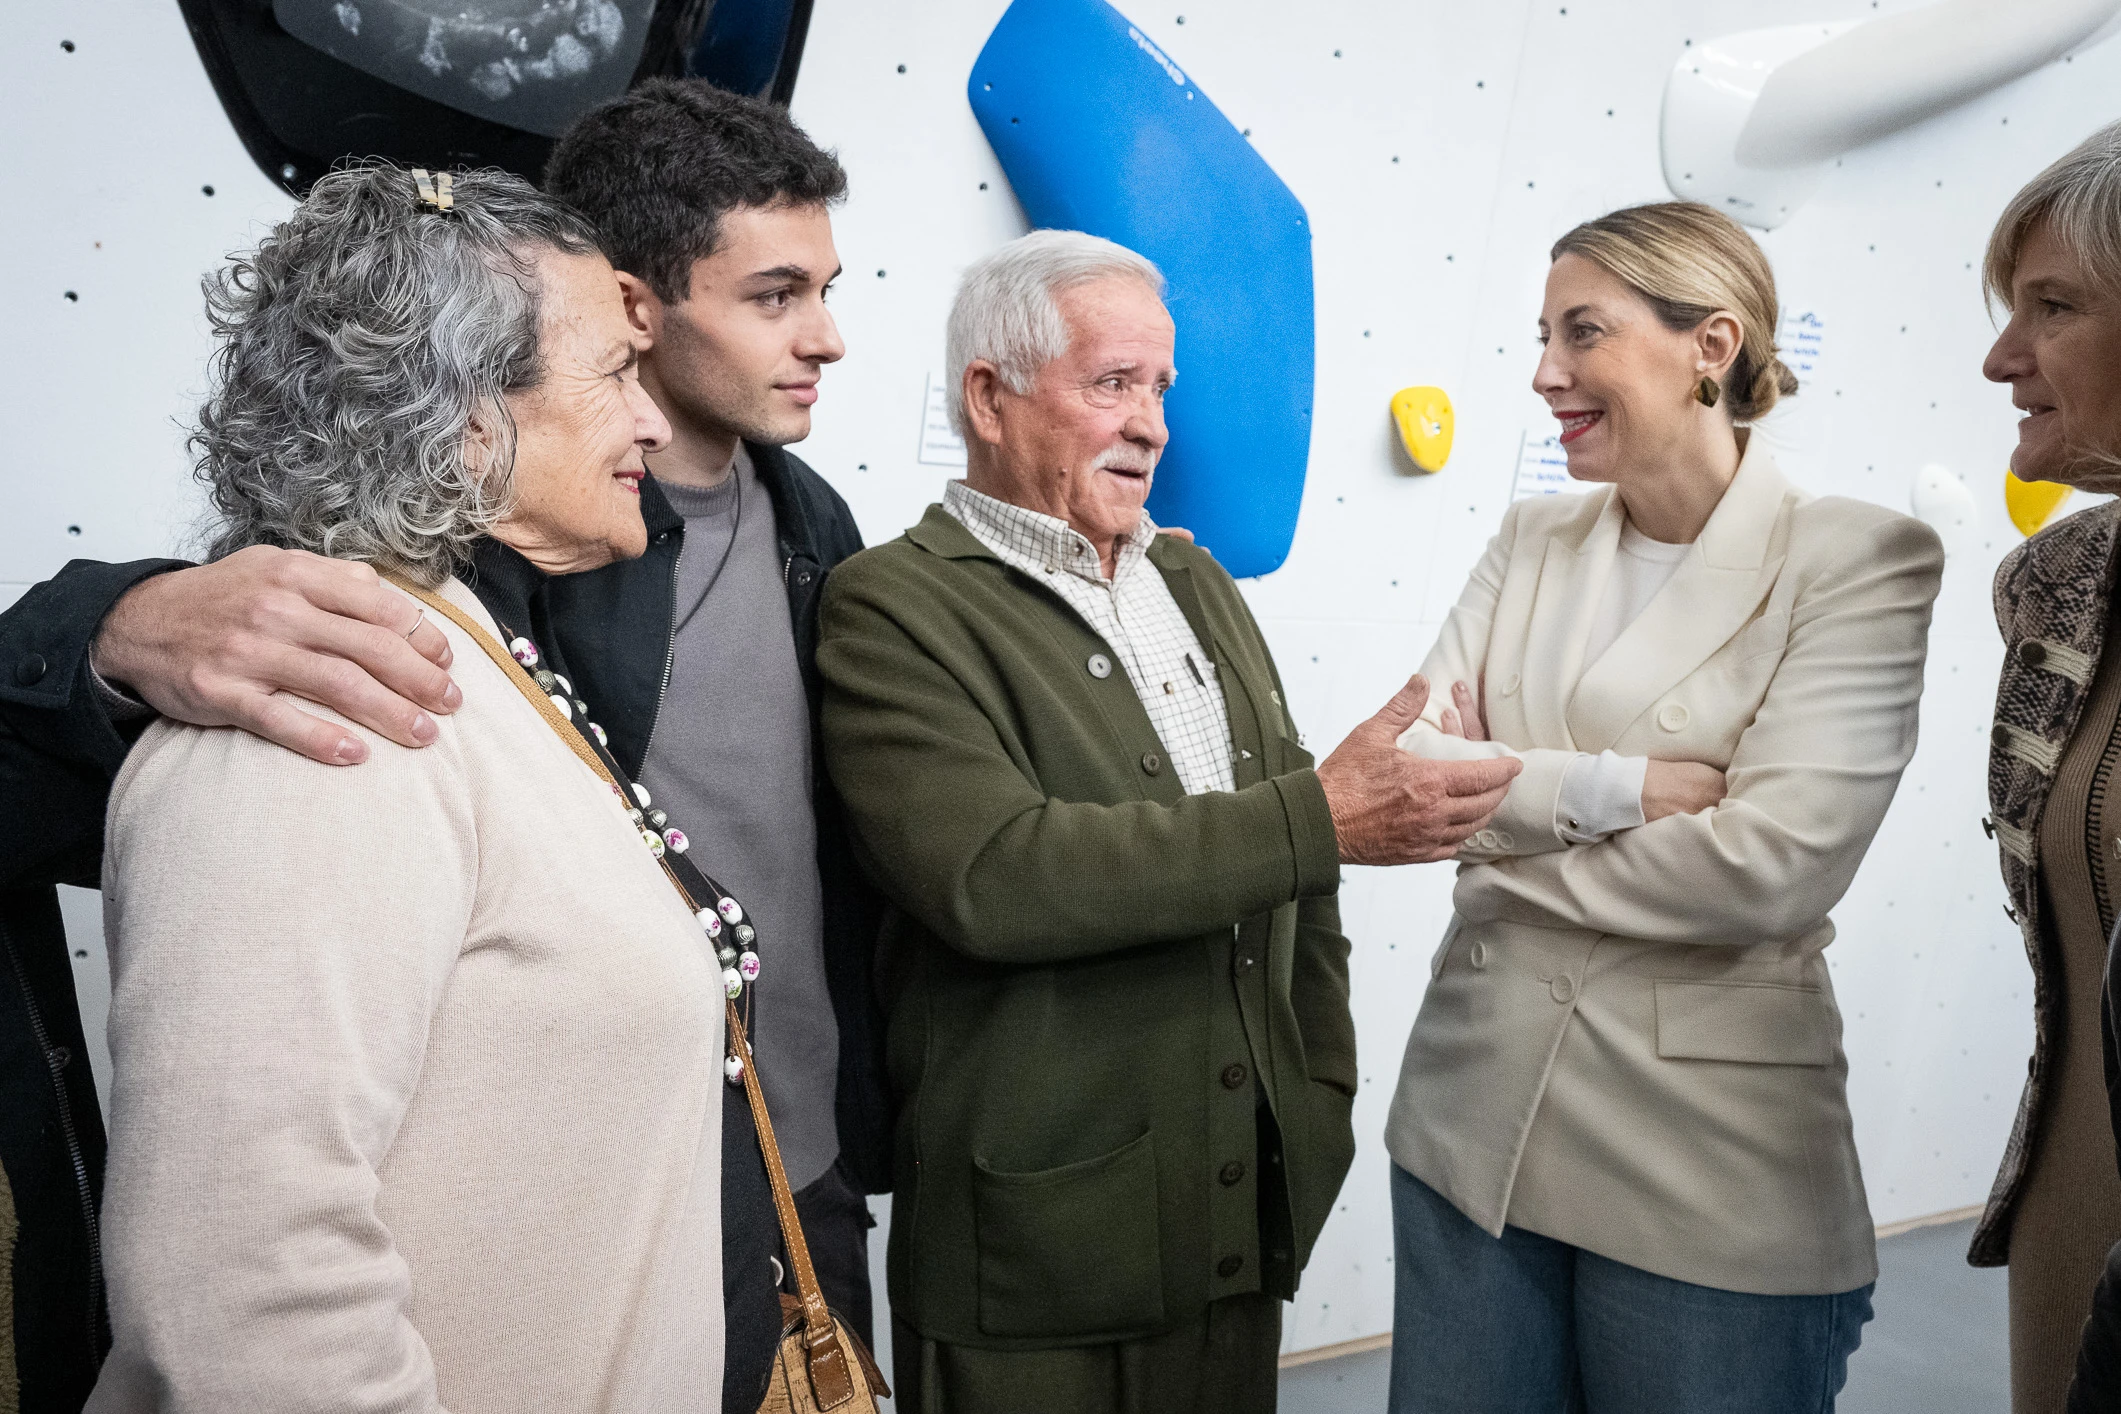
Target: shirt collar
{"x": 1028, "y": 537}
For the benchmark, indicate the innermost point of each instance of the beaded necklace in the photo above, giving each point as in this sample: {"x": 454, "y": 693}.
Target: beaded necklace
{"x": 727, "y": 926}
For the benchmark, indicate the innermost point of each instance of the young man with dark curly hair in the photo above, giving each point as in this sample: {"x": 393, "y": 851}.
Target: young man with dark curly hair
{"x": 716, "y": 211}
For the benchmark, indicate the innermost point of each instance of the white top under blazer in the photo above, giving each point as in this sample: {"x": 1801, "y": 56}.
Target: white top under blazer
{"x": 1632, "y": 1045}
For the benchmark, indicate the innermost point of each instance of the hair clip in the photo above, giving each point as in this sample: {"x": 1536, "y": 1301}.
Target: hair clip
{"x": 436, "y": 192}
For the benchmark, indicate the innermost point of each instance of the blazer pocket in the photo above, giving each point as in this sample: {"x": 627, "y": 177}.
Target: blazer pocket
{"x": 1070, "y": 1251}
{"x": 1761, "y": 1023}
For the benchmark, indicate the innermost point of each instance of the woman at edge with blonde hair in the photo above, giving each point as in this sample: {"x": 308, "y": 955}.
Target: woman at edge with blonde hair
{"x": 2054, "y": 263}
{"x": 1624, "y": 1177}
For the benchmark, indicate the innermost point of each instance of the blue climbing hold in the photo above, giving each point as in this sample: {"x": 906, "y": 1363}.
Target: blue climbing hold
{"x": 1100, "y": 130}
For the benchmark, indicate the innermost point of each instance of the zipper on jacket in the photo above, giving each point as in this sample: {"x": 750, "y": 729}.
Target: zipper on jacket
{"x": 73, "y": 1145}
{"x": 670, "y": 656}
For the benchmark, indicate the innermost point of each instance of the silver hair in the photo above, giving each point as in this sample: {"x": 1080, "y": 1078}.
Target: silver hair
{"x": 357, "y": 347}
{"x": 2079, "y": 199}
{"x": 1005, "y": 312}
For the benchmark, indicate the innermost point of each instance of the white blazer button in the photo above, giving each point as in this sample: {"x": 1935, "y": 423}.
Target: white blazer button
{"x": 1672, "y": 716}
{"x": 1510, "y": 685}
{"x": 1099, "y": 665}
{"x": 1564, "y": 988}
{"x": 1477, "y": 954}
{"x": 1503, "y": 839}
{"x": 1485, "y": 839}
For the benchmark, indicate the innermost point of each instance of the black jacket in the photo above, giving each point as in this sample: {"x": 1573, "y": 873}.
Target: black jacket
{"x": 2097, "y": 1386}
{"x": 58, "y": 754}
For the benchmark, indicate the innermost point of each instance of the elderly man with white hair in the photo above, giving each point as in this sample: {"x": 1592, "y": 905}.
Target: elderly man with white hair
{"x": 1116, "y": 983}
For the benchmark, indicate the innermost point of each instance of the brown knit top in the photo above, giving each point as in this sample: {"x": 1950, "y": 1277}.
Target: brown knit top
{"x": 2071, "y": 1211}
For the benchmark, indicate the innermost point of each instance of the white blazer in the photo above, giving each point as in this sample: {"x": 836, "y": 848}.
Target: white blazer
{"x": 1633, "y": 1045}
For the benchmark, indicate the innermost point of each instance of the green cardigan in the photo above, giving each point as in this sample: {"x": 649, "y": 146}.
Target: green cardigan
{"x": 1100, "y": 990}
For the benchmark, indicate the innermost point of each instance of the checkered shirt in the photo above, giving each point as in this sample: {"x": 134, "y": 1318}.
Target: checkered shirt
{"x": 1135, "y": 614}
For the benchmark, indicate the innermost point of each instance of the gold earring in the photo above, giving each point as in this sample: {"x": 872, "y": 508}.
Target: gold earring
{"x": 1707, "y": 391}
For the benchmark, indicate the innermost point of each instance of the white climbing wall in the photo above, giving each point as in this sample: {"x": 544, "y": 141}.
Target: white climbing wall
{"x": 1440, "y": 148}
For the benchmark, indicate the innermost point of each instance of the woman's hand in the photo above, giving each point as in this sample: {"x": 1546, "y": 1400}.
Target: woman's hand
{"x": 1679, "y": 788}
{"x": 1462, "y": 718}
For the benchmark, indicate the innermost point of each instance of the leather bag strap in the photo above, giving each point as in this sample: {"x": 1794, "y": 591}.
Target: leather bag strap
{"x": 830, "y": 1378}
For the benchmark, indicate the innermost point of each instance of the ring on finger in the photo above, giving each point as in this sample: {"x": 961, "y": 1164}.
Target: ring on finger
{"x": 418, "y": 619}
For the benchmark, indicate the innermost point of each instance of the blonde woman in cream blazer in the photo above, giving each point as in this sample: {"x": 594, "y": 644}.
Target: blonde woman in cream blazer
{"x": 1624, "y": 1158}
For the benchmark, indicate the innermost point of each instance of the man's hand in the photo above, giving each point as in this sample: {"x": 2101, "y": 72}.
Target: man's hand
{"x": 1390, "y": 807}
{"x": 211, "y": 645}
{"x": 1679, "y": 788}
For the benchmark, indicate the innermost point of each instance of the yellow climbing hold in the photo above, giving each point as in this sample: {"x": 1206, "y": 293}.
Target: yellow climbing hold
{"x": 1424, "y": 418}
{"x": 2032, "y": 503}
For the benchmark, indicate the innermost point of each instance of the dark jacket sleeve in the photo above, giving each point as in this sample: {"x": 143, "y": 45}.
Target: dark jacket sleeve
{"x": 2097, "y": 1387}
{"x": 59, "y": 748}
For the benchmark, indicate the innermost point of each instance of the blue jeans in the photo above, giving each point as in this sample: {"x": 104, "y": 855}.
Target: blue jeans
{"x": 1527, "y": 1325}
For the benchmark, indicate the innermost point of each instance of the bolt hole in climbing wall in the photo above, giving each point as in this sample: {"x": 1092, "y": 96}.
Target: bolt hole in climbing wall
{"x": 1349, "y": 434}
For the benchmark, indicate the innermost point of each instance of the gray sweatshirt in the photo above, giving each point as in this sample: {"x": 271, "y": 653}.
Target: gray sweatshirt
{"x": 730, "y": 761}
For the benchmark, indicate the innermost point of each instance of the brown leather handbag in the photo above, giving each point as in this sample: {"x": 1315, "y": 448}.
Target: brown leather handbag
{"x": 821, "y": 1365}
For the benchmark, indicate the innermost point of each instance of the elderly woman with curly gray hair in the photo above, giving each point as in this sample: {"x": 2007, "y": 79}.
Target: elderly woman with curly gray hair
{"x": 418, "y": 1069}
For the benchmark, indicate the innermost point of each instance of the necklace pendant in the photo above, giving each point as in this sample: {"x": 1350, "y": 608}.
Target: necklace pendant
{"x": 731, "y": 910}
{"x": 653, "y": 841}
{"x": 523, "y": 651}
{"x": 710, "y": 922}
{"x": 744, "y": 934}
{"x": 675, "y": 838}
{"x": 602, "y": 740}
{"x": 732, "y": 983}
{"x": 748, "y": 966}
{"x": 733, "y": 1067}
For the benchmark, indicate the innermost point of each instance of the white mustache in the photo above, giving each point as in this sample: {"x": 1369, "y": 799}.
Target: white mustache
{"x": 1126, "y": 459}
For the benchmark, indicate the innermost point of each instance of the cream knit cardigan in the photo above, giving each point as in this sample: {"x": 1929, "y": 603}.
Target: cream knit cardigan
{"x": 418, "y": 1081}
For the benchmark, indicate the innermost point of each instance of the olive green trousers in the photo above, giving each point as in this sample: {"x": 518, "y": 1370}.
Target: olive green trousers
{"x": 1223, "y": 1361}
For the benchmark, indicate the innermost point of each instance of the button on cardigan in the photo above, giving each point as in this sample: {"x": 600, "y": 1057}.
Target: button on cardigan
{"x": 1133, "y": 611}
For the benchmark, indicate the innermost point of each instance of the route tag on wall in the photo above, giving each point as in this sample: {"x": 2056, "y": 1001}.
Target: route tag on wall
{"x": 1542, "y": 467}
{"x": 940, "y": 444}
{"x": 1801, "y": 340}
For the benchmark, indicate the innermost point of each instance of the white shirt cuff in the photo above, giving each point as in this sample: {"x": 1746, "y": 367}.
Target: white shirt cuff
{"x": 1599, "y": 794}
